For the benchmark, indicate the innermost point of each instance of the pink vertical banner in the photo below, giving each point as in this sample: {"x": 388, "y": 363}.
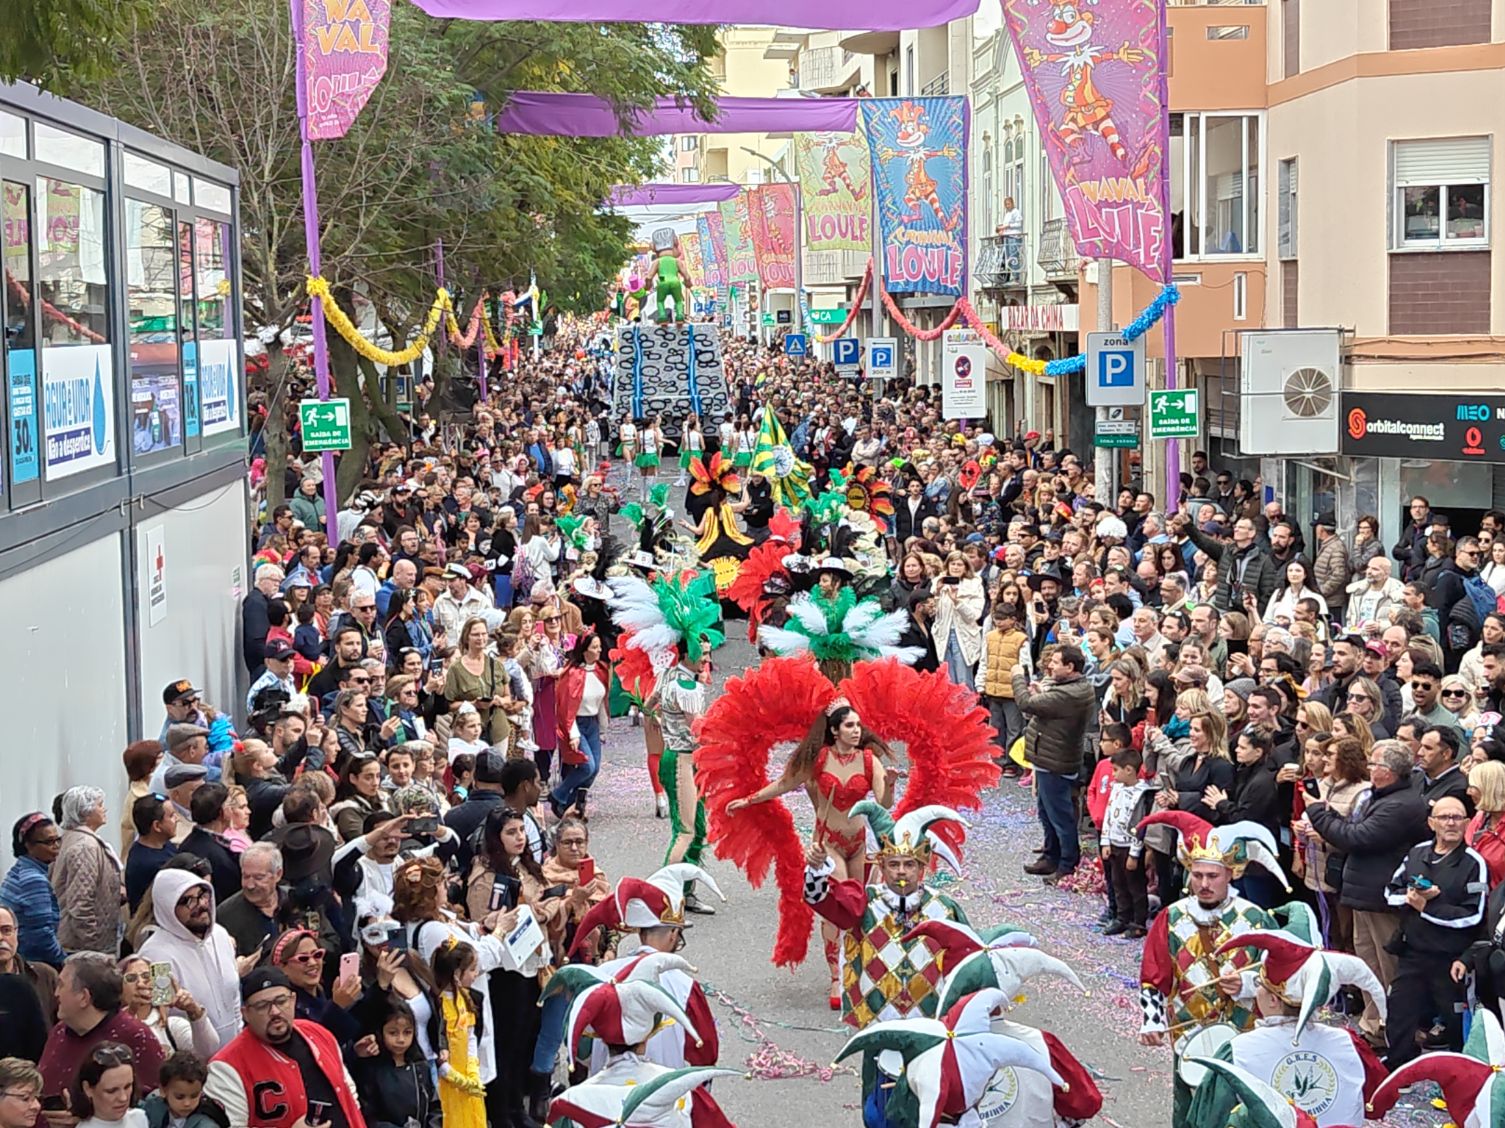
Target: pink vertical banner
{"x": 1093, "y": 77}
{"x": 345, "y": 52}
{"x": 735, "y": 220}
{"x": 712, "y": 258}
{"x": 771, "y": 213}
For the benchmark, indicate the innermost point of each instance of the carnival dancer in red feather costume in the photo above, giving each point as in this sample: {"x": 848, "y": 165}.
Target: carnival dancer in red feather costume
{"x": 843, "y": 733}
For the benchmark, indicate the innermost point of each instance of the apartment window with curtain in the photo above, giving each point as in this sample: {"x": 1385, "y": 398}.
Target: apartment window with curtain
{"x": 1441, "y": 197}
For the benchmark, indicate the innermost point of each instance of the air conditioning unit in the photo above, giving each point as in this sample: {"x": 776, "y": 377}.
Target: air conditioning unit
{"x": 1290, "y": 380}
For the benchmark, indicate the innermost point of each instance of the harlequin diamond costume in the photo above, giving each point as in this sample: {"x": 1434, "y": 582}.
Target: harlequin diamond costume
{"x": 947, "y": 740}
{"x": 645, "y": 906}
{"x": 1328, "y": 1072}
{"x": 1473, "y": 1082}
{"x": 1181, "y": 964}
{"x": 884, "y": 977}
{"x": 942, "y": 1069}
{"x": 674, "y": 620}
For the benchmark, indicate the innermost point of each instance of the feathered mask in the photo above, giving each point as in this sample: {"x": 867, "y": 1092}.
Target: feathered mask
{"x": 672, "y": 613}
{"x": 841, "y": 629}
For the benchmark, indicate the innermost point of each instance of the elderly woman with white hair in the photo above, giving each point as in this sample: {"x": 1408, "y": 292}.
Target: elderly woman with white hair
{"x": 87, "y": 876}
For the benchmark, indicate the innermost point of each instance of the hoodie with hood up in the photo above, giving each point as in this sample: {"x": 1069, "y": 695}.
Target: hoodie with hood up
{"x": 204, "y": 968}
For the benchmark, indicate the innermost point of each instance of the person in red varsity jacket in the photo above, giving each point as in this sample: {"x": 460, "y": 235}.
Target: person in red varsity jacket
{"x": 280, "y": 1071}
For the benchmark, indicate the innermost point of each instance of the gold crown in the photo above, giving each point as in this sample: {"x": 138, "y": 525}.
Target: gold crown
{"x": 905, "y": 847}
{"x": 1199, "y": 851}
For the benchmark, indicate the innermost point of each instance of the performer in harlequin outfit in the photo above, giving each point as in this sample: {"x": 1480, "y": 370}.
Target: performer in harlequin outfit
{"x": 1259, "y": 1105}
{"x": 882, "y": 976}
{"x": 942, "y": 1068}
{"x": 1328, "y": 1072}
{"x": 1473, "y": 1082}
{"x": 839, "y": 764}
{"x": 1186, "y": 985}
{"x": 635, "y": 1092}
{"x": 674, "y": 621}
{"x": 655, "y": 909}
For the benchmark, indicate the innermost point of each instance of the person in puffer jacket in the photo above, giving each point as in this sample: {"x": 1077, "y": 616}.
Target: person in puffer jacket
{"x": 1059, "y": 711}
{"x": 200, "y": 950}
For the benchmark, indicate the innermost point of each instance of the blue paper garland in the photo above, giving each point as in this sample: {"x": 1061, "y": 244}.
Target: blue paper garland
{"x": 1141, "y": 325}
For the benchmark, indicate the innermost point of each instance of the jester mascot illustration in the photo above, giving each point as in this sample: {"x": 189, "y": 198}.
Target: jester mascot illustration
{"x": 834, "y": 172}
{"x": 1193, "y": 990}
{"x": 919, "y": 186}
{"x": 1327, "y": 1072}
{"x": 675, "y": 621}
{"x": 673, "y": 279}
{"x": 1087, "y": 110}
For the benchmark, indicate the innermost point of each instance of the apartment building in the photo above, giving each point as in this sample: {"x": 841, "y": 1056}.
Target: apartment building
{"x": 1333, "y": 193}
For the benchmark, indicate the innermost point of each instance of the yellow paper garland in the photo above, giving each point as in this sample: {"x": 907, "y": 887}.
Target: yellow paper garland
{"x": 442, "y": 309}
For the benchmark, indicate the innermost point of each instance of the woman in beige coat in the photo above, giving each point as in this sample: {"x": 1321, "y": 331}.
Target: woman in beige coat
{"x": 958, "y": 619}
{"x": 87, "y": 877}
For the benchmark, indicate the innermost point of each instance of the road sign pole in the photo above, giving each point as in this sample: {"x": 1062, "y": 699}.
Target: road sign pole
{"x": 315, "y": 265}
{"x": 1105, "y": 462}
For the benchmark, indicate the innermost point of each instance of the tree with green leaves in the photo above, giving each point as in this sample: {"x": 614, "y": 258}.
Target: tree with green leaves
{"x": 422, "y": 162}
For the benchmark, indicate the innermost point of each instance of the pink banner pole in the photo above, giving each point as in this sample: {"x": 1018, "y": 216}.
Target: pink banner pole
{"x": 315, "y": 265}
{"x": 1172, "y": 446}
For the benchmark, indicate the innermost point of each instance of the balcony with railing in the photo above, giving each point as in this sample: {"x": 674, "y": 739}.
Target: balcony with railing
{"x": 1001, "y": 262}
{"x": 937, "y": 87}
{"x": 1057, "y": 252}
{"x": 827, "y": 70}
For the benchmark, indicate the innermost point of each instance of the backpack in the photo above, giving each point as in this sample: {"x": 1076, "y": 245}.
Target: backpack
{"x": 1481, "y": 596}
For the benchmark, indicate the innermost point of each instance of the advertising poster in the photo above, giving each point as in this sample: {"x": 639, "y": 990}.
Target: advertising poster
{"x": 919, "y": 154}
{"x": 739, "y": 252}
{"x": 1093, "y": 78}
{"x": 25, "y": 437}
{"x": 345, "y": 52}
{"x": 156, "y": 414}
{"x": 771, "y": 209}
{"x": 78, "y": 414}
{"x": 219, "y": 396}
{"x": 835, "y": 186}
{"x": 964, "y": 374}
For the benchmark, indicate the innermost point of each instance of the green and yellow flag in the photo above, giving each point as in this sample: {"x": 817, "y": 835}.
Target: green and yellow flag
{"x": 774, "y": 458}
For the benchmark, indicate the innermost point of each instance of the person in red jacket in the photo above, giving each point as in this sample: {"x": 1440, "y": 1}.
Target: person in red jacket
{"x": 280, "y": 1071}
{"x": 580, "y": 698}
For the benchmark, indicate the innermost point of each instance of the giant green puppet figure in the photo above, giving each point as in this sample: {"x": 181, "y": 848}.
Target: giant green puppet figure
{"x": 673, "y": 278}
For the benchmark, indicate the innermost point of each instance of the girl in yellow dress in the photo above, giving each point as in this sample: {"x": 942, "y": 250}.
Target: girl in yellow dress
{"x": 461, "y": 1094}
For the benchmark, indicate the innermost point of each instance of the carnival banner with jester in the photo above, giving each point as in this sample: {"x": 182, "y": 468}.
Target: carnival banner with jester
{"x": 742, "y": 266}
{"x": 1092, "y": 71}
{"x": 919, "y": 155}
{"x": 835, "y": 178}
{"x": 771, "y": 227}
{"x": 712, "y": 256}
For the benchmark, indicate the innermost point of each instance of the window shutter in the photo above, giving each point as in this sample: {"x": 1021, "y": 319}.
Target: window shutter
{"x": 1446, "y": 160}
{"x": 1286, "y": 195}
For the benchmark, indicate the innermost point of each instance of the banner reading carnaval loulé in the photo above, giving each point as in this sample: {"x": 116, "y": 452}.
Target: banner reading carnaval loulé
{"x": 741, "y": 264}
{"x": 1093, "y": 77}
{"x": 835, "y": 180}
{"x": 345, "y": 48}
{"x": 708, "y": 260}
{"x": 771, "y": 210}
{"x": 919, "y": 154}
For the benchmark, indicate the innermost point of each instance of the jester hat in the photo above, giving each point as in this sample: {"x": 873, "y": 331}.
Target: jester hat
{"x": 1261, "y": 1105}
{"x": 1470, "y": 1081}
{"x": 657, "y": 1103}
{"x": 625, "y": 1013}
{"x": 638, "y": 903}
{"x": 842, "y": 629}
{"x": 949, "y": 1061}
{"x": 1234, "y": 846}
{"x": 673, "y": 613}
{"x": 908, "y": 836}
{"x": 1306, "y": 976}
{"x": 1000, "y": 958}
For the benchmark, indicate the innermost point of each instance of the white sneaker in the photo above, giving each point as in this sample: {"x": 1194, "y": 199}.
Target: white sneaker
{"x": 660, "y": 806}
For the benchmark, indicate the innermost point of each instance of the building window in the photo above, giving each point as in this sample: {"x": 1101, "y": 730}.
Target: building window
{"x": 689, "y": 175}
{"x": 689, "y": 144}
{"x": 1290, "y": 35}
{"x": 909, "y": 73}
{"x": 151, "y": 261}
{"x": 1287, "y": 203}
{"x": 1215, "y": 185}
{"x": 1441, "y": 193}
{"x": 1416, "y": 24}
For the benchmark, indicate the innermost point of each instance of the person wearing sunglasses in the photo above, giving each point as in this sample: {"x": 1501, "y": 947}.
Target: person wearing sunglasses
{"x": 301, "y": 957}
{"x": 1458, "y": 699}
{"x": 199, "y": 949}
{"x": 27, "y": 892}
{"x": 92, "y": 1023}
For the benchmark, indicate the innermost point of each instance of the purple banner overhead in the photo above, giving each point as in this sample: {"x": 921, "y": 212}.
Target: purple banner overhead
{"x": 585, "y": 115}
{"x": 646, "y": 195}
{"x": 833, "y": 15}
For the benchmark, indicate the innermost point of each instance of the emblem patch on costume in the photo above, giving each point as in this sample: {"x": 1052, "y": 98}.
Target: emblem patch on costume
{"x": 999, "y": 1097}
{"x": 1308, "y": 1079}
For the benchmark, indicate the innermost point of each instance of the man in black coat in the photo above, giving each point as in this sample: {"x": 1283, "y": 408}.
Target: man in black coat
{"x": 1411, "y": 549}
{"x": 911, "y": 510}
{"x": 255, "y": 620}
{"x": 1375, "y": 839}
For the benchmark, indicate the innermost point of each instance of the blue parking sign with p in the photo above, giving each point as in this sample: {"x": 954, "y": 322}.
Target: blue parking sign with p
{"x": 846, "y": 352}
{"x": 1115, "y": 370}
